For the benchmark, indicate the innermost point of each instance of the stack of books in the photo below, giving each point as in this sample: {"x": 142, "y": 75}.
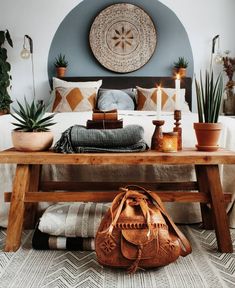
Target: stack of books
{"x": 104, "y": 120}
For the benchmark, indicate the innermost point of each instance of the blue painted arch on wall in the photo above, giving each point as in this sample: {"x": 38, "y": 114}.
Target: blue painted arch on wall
{"x": 72, "y": 39}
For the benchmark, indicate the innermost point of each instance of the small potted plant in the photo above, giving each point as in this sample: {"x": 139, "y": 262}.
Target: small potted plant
{"x": 32, "y": 132}
{"x": 180, "y": 67}
{"x": 5, "y": 77}
{"x": 209, "y": 94}
{"x": 61, "y": 65}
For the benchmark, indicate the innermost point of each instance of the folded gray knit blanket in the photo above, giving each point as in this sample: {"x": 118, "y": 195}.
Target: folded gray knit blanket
{"x": 78, "y": 139}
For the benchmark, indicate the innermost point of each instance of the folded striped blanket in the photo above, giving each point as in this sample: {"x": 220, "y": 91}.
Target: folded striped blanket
{"x": 79, "y": 139}
{"x": 77, "y": 219}
{"x": 43, "y": 241}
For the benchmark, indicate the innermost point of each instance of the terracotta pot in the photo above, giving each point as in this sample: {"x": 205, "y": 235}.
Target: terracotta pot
{"x": 181, "y": 71}
{"x": 31, "y": 141}
{"x": 4, "y": 112}
{"x": 60, "y": 71}
{"x": 207, "y": 135}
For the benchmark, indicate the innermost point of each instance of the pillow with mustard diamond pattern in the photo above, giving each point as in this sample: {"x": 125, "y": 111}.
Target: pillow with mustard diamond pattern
{"x": 74, "y": 99}
{"x": 147, "y": 99}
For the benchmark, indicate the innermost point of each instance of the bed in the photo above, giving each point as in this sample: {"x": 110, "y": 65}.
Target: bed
{"x": 181, "y": 213}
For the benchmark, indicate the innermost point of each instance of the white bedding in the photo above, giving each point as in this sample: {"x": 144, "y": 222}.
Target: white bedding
{"x": 183, "y": 213}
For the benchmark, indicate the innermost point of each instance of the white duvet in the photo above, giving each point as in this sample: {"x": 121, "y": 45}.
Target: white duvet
{"x": 183, "y": 213}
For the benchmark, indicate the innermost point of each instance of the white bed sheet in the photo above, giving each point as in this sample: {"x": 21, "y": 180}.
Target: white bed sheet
{"x": 181, "y": 213}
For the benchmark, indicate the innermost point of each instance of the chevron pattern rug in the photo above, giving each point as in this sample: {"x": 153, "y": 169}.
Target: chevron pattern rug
{"x": 28, "y": 268}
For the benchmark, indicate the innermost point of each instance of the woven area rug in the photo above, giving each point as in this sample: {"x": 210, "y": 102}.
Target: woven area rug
{"x": 28, "y": 268}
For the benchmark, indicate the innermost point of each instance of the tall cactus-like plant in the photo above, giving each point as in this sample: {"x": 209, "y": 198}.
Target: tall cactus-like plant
{"x": 209, "y": 92}
{"x": 5, "y": 67}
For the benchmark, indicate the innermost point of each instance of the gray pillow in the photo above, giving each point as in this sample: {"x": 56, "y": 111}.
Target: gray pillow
{"x": 109, "y": 99}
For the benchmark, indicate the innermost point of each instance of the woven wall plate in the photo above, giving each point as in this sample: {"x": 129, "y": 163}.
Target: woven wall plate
{"x": 123, "y": 37}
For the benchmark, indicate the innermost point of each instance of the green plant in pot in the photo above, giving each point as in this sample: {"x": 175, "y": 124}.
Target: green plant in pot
{"x": 61, "y": 65}
{"x": 5, "y": 77}
{"x": 180, "y": 67}
{"x": 32, "y": 127}
{"x": 209, "y": 92}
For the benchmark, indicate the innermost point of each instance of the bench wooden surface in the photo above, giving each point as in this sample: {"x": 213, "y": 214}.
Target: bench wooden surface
{"x": 27, "y": 185}
{"x": 186, "y": 156}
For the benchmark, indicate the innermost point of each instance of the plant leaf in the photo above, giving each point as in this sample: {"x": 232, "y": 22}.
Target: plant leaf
{"x": 30, "y": 117}
{"x": 8, "y": 37}
{"x": 209, "y": 97}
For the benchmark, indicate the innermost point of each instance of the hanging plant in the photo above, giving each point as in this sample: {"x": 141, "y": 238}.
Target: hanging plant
{"x": 5, "y": 77}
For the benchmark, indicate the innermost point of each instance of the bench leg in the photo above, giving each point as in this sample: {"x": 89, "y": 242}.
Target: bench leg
{"x": 30, "y": 215}
{"x": 16, "y": 213}
{"x": 203, "y": 186}
{"x": 218, "y": 209}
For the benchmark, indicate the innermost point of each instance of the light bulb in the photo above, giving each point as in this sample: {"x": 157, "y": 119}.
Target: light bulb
{"x": 25, "y": 53}
{"x": 218, "y": 58}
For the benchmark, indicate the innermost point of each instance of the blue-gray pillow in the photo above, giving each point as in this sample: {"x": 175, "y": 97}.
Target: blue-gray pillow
{"x": 109, "y": 99}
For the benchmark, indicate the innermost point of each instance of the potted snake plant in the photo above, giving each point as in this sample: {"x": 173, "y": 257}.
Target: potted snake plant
{"x": 180, "y": 67}
{"x": 32, "y": 127}
{"x": 209, "y": 92}
{"x": 61, "y": 65}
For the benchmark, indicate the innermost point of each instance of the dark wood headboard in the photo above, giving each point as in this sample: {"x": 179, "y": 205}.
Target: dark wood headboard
{"x": 122, "y": 82}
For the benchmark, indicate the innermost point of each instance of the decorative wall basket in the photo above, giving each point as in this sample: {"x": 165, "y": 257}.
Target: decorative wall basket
{"x": 123, "y": 37}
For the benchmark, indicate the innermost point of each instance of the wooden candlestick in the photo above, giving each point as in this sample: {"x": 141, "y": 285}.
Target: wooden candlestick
{"x": 177, "y": 118}
{"x": 156, "y": 143}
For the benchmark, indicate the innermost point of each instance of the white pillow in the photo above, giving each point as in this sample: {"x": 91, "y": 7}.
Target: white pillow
{"x": 74, "y": 99}
{"x": 87, "y": 84}
{"x": 147, "y": 99}
{"x": 169, "y": 103}
{"x": 58, "y": 83}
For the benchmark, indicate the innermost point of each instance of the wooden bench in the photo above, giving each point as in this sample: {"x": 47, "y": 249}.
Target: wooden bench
{"x": 27, "y": 185}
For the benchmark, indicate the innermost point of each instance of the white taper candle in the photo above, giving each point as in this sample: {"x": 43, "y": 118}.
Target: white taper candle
{"x": 177, "y": 92}
{"x": 159, "y": 102}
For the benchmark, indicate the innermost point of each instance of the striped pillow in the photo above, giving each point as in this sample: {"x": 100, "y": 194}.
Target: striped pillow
{"x": 43, "y": 241}
{"x": 72, "y": 219}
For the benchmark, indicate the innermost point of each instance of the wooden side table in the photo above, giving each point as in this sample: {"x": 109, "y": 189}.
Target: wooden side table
{"x": 208, "y": 185}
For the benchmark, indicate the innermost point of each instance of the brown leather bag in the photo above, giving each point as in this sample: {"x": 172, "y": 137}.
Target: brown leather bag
{"x": 137, "y": 232}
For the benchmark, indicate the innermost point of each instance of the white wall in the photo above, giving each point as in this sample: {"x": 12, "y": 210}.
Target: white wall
{"x": 203, "y": 19}
{"x": 40, "y": 19}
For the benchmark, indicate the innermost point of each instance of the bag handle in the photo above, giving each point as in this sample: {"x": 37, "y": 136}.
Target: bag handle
{"x": 185, "y": 245}
{"x": 117, "y": 205}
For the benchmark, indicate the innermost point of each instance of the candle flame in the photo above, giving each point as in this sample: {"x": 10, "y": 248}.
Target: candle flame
{"x": 178, "y": 76}
{"x": 157, "y": 85}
